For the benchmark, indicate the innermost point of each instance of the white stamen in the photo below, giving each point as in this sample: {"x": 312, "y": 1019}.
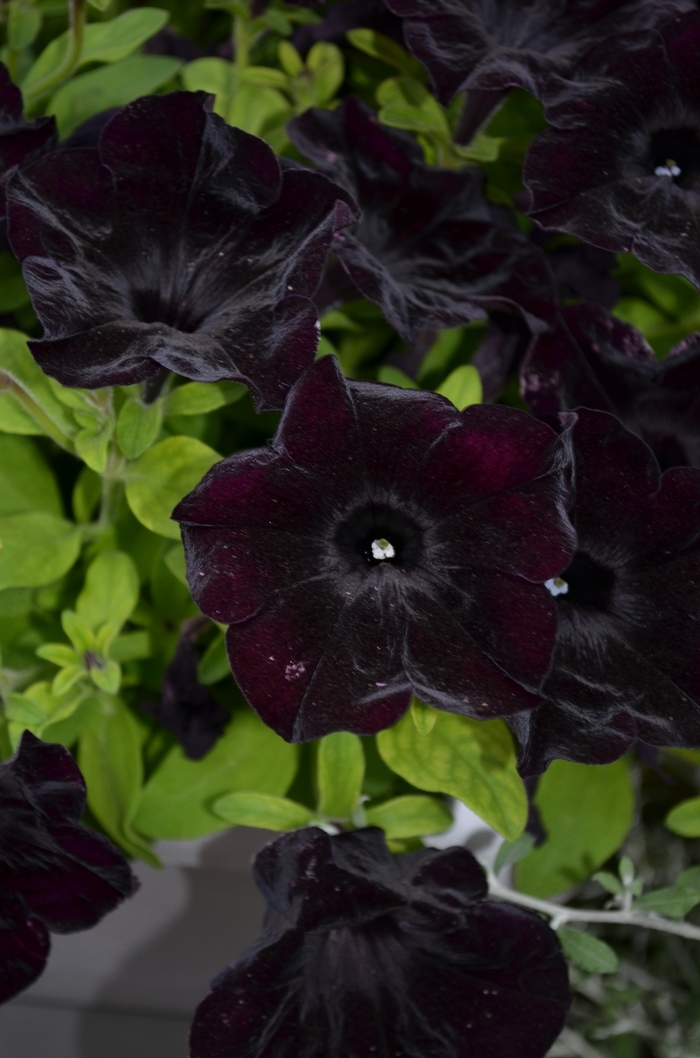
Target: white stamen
{"x": 669, "y": 169}
{"x": 556, "y": 586}
{"x": 382, "y": 549}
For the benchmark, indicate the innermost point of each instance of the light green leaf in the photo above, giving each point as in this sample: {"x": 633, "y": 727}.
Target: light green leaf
{"x": 110, "y": 86}
{"x": 66, "y": 725}
{"x": 18, "y": 367}
{"x": 462, "y": 387}
{"x": 327, "y": 68}
{"x": 512, "y": 852}
{"x": 211, "y": 75}
{"x": 340, "y": 769}
{"x": 671, "y": 901}
{"x": 214, "y": 665}
{"x": 177, "y": 801}
{"x": 196, "y": 398}
{"x": 407, "y": 104}
{"x": 87, "y": 493}
{"x": 262, "y": 810}
{"x": 23, "y": 710}
{"x": 410, "y": 816}
{"x": 13, "y": 417}
{"x": 92, "y": 445}
{"x": 481, "y": 149}
{"x": 138, "y": 426}
{"x": 394, "y": 376}
{"x": 609, "y": 882}
{"x": 157, "y": 481}
{"x": 290, "y": 59}
{"x": 689, "y": 880}
{"x": 387, "y": 50}
{"x": 132, "y": 646}
{"x": 587, "y": 811}
{"x": 591, "y": 954}
{"x": 36, "y": 548}
{"x": 684, "y": 819}
{"x": 175, "y": 561}
{"x": 423, "y": 716}
{"x": 107, "y": 676}
{"x": 26, "y": 481}
{"x": 102, "y": 42}
{"x": 473, "y": 760}
{"x": 109, "y": 757}
{"x": 111, "y": 590}
{"x": 265, "y": 77}
{"x": 66, "y": 678}
{"x": 23, "y": 24}
{"x": 79, "y": 632}
{"x": 58, "y": 654}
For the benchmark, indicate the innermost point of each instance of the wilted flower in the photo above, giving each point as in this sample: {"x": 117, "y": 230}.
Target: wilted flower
{"x": 626, "y": 666}
{"x": 55, "y": 875}
{"x": 427, "y": 249}
{"x": 187, "y": 708}
{"x": 381, "y": 956}
{"x": 384, "y": 544}
{"x": 178, "y": 243}
{"x": 594, "y": 360}
{"x": 20, "y": 140}
{"x": 621, "y": 169}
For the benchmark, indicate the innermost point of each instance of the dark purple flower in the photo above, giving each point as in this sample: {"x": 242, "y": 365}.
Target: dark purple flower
{"x": 178, "y": 243}
{"x": 621, "y": 167}
{"x": 498, "y": 44}
{"x": 186, "y": 708}
{"x": 55, "y": 875}
{"x": 347, "y": 15}
{"x": 380, "y": 956}
{"x": 626, "y": 666}
{"x": 384, "y": 544}
{"x": 594, "y": 360}
{"x": 427, "y": 248}
{"x": 20, "y": 140}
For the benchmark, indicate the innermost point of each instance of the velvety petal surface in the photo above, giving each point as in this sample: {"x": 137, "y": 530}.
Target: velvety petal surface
{"x": 625, "y": 665}
{"x": 594, "y": 360}
{"x": 24, "y": 949}
{"x": 20, "y": 140}
{"x": 378, "y": 517}
{"x": 176, "y": 243}
{"x": 429, "y": 249}
{"x": 370, "y": 955}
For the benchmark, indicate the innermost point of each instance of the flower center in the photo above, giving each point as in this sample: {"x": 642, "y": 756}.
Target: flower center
{"x": 382, "y": 549}
{"x": 585, "y": 583}
{"x": 379, "y": 535}
{"x": 675, "y": 154}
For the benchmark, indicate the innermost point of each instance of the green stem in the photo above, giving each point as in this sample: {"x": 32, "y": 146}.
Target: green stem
{"x": 5, "y": 744}
{"x": 76, "y": 30}
{"x": 561, "y": 915}
{"x": 112, "y": 492}
{"x": 37, "y": 413}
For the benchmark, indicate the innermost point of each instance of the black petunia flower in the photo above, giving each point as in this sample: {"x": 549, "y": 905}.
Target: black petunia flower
{"x": 427, "y": 249}
{"x": 498, "y": 44}
{"x": 178, "y": 243}
{"x": 626, "y": 666}
{"x": 55, "y": 875}
{"x": 186, "y": 708}
{"x": 379, "y": 956}
{"x": 594, "y": 360}
{"x": 621, "y": 168}
{"x": 384, "y": 544}
{"x": 20, "y": 140}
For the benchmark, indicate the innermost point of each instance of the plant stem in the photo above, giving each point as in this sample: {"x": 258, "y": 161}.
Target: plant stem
{"x": 38, "y": 414}
{"x": 562, "y": 914}
{"x": 76, "y": 29}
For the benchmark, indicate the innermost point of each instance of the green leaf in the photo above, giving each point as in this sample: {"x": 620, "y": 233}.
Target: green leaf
{"x": 197, "y": 398}
{"x": 684, "y": 819}
{"x": 481, "y": 149}
{"x": 587, "y": 811}
{"x": 340, "y": 769}
{"x": 132, "y": 646}
{"x": 410, "y": 816}
{"x": 23, "y": 710}
{"x": 211, "y": 75}
{"x": 591, "y": 954}
{"x": 18, "y": 367}
{"x": 109, "y": 757}
{"x": 102, "y": 42}
{"x": 394, "y": 376}
{"x": 107, "y": 677}
{"x": 262, "y": 810}
{"x": 407, "y": 104}
{"x": 609, "y": 882}
{"x": 672, "y": 901}
{"x": 26, "y": 481}
{"x": 177, "y": 801}
{"x": 689, "y": 880}
{"x": 138, "y": 426}
{"x": 79, "y": 632}
{"x": 512, "y": 852}
{"x": 87, "y": 493}
{"x": 13, "y": 417}
{"x": 157, "y": 481}
{"x": 423, "y": 716}
{"x": 327, "y": 68}
{"x": 214, "y": 665}
{"x": 386, "y": 50}
{"x": 23, "y": 24}
{"x": 462, "y": 387}
{"x": 109, "y": 86}
{"x": 36, "y": 548}
{"x": 290, "y": 59}
{"x": 111, "y": 590}
{"x": 92, "y": 445}
{"x": 473, "y": 760}
{"x": 265, "y": 77}
{"x": 67, "y": 722}
{"x": 58, "y": 654}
